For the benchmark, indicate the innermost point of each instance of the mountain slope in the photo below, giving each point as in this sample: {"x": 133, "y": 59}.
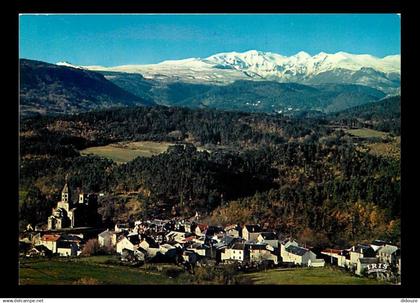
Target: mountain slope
{"x": 223, "y": 68}
{"x": 247, "y": 95}
{"x": 387, "y": 108}
{"x": 48, "y": 88}
{"x": 269, "y": 96}
{"x": 384, "y": 115}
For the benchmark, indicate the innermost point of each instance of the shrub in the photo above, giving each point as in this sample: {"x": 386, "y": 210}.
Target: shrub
{"x": 91, "y": 248}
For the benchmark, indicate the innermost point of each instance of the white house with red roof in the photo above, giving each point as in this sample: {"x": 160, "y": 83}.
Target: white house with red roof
{"x": 50, "y": 241}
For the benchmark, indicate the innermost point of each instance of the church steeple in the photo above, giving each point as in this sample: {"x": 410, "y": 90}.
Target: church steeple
{"x": 65, "y": 193}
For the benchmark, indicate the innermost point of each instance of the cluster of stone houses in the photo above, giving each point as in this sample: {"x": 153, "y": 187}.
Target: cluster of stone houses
{"x": 196, "y": 242}
{"x": 49, "y": 244}
{"x": 188, "y": 241}
{"x": 364, "y": 257}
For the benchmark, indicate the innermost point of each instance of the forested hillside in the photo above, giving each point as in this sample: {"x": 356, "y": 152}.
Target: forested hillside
{"x": 303, "y": 176}
{"x": 251, "y": 96}
{"x": 384, "y": 115}
{"x": 49, "y": 88}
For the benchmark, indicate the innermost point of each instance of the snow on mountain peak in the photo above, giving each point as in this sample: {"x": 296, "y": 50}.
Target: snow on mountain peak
{"x": 68, "y": 64}
{"x": 222, "y": 68}
{"x": 302, "y": 55}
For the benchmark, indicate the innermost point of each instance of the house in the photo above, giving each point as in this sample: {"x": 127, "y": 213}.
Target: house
{"x": 25, "y": 238}
{"x": 36, "y": 239}
{"x": 377, "y": 244}
{"x": 218, "y": 236}
{"x": 201, "y": 240}
{"x": 297, "y": 255}
{"x": 39, "y": 250}
{"x": 214, "y": 230}
{"x": 237, "y": 252}
{"x": 68, "y": 249}
{"x": 228, "y": 240}
{"x": 149, "y": 245}
{"x": 200, "y": 229}
{"x": 316, "y": 263}
{"x": 360, "y": 251}
{"x": 160, "y": 225}
{"x": 223, "y": 243}
{"x": 50, "y": 241}
{"x": 260, "y": 252}
{"x": 130, "y": 243}
{"x": 71, "y": 238}
{"x": 251, "y": 232}
{"x": 168, "y": 250}
{"x": 107, "y": 238}
{"x": 233, "y": 230}
{"x": 189, "y": 227}
{"x": 200, "y": 249}
{"x": 289, "y": 242}
{"x": 269, "y": 238}
{"x": 388, "y": 254}
{"x": 284, "y": 244}
{"x": 337, "y": 257}
{"x": 190, "y": 239}
{"x": 121, "y": 227}
{"x": 177, "y": 236}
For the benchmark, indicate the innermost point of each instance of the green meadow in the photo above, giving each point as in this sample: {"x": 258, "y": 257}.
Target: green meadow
{"x": 98, "y": 270}
{"x": 306, "y": 276}
{"x": 123, "y": 152}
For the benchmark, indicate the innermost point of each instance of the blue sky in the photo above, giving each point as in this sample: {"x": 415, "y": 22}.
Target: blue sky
{"x": 111, "y": 40}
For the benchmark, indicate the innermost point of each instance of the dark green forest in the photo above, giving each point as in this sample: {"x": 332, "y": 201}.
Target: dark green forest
{"x": 302, "y": 176}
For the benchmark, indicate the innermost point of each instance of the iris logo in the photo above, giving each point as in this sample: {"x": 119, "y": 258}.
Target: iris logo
{"x": 378, "y": 267}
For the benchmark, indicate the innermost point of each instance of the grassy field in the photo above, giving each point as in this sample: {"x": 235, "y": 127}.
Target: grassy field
{"x": 93, "y": 269}
{"x": 306, "y": 276}
{"x": 389, "y": 149}
{"x": 366, "y": 133}
{"x": 61, "y": 271}
{"x": 123, "y": 152}
{"x": 126, "y": 151}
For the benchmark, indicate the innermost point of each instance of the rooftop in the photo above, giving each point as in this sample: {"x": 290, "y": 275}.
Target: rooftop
{"x": 51, "y": 238}
{"x": 368, "y": 260}
{"x": 296, "y": 250}
{"x": 240, "y": 246}
{"x": 253, "y": 227}
{"x": 269, "y": 235}
{"x": 388, "y": 249}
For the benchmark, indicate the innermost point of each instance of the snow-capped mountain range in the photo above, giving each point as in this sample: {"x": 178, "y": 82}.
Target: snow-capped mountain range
{"x": 225, "y": 68}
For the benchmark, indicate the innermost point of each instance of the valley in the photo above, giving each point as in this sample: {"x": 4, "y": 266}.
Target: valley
{"x": 200, "y": 150}
{"x": 252, "y": 81}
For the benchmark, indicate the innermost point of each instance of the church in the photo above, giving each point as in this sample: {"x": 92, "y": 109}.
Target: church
{"x": 67, "y": 214}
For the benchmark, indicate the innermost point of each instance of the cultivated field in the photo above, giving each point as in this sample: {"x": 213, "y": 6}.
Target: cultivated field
{"x": 123, "y": 152}
{"x": 366, "y": 133}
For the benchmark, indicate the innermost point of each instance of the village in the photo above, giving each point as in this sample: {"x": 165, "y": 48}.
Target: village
{"x": 190, "y": 243}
